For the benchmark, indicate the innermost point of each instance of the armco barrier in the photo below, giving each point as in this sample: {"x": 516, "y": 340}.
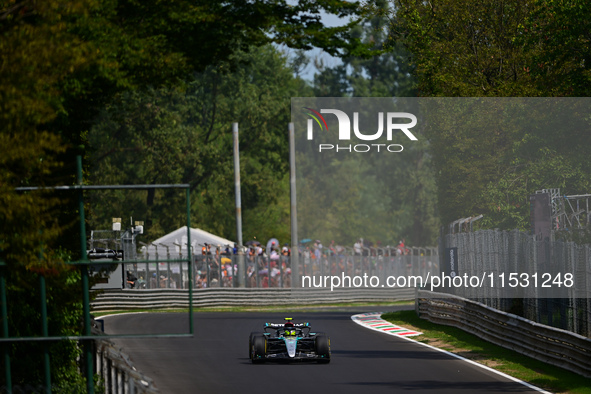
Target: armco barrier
{"x": 129, "y": 299}
{"x": 118, "y": 373}
{"x": 551, "y": 345}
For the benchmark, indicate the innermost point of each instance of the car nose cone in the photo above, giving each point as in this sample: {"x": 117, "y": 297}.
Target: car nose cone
{"x": 290, "y": 344}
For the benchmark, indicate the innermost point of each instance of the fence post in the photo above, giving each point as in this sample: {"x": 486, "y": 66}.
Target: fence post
{"x": 45, "y": 333}
{"x": 85, "y": 285}
{"x": 588, "y": 290}
{"x": 417, "y": 300}
{"x": 5, "y": 347}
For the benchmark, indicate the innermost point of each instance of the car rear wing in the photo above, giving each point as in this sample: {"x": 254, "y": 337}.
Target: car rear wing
{"x": 282, "y": 325}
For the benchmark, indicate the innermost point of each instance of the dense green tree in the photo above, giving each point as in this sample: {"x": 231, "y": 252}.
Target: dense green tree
{"x": 183, "y": 135}
{"x": 341, "y": 198}
{"x": 376, "y": 196}
{"x": 386, "y": 73}
{"x": 67, "y": 60}
{"x": 62, "y": 62}
{"x": 556, "y": 35}
{"x": 489, "y": 156}
{"x": 464, "y": 48}
{"x": 400, "y": 189}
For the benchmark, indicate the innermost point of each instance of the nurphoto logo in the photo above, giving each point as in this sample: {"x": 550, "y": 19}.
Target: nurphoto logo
{"x": 392, "y": 120}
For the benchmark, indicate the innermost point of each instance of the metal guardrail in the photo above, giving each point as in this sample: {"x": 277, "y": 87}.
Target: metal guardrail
{"x": 548, "y": 344}
{"x": 214, "y": 297}
{"x": 118, "y": 373}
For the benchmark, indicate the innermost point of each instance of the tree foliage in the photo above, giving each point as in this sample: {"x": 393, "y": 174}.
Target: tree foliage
{"x": 62, "y": 63}
{"x": 381, "y": 197}
{"x": 555, "y": 35}
{"x": 465, "y": 48}
{"x": 383, "y": 74}
{"x": 69, "y": 60}
{"x": 486, "y": 160}
{"x": 183, "y": 135}
{"x": 378, "y": 197}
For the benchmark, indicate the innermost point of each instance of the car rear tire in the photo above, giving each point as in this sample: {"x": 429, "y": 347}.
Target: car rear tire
{"x": 322, "y": 344}
{"x": 259, "y": 349}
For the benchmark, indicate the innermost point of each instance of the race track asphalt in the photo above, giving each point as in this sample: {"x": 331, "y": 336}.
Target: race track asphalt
{"x": 216, "y": 359}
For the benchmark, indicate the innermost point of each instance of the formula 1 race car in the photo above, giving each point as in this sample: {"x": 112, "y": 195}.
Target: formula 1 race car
{"x": 288, "y": 341}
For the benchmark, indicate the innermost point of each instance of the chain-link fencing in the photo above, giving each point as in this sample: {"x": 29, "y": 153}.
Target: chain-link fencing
{"x": 548, "y": 282}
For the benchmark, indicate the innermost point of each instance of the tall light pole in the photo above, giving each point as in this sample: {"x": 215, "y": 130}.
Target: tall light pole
{"x": 240, "y": 256}
{"x": 295, "y": 258}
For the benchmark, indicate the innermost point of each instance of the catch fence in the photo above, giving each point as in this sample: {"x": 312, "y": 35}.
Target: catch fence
{"x": 221, "y": 270}
{"x": 548, "y": 282}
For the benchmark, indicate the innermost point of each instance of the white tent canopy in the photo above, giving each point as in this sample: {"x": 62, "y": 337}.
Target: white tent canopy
{"x": 176, "y": 242}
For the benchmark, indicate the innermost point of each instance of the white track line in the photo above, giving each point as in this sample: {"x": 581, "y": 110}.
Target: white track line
{"x": 357, "y": 319}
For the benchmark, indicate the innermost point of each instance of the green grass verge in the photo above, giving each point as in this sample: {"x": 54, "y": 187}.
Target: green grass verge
{"x": 469, "y": 346}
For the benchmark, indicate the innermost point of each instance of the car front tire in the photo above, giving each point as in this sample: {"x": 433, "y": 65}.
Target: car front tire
{"x": 322, "y": 343}
{"x": 259, "y": 349}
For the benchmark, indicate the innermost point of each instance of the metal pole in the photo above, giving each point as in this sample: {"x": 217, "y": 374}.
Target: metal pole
{"x": 190, "y": 261}
{"x": 5, "y": 346}
{"x": 85, "y": 285}
{"x": 44, "y": 332}
{"x": 168, "y": 270}
{"x": 241, "y": 265}
{"x": 295, "y": 258}
{"x": 256, "y": 271}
